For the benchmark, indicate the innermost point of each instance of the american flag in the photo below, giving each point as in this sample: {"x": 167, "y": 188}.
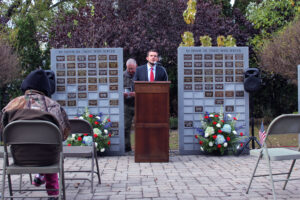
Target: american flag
{"x": 262, "y": 134}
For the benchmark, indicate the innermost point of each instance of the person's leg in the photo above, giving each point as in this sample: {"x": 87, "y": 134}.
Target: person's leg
{"x": 52, "y": 183}
{"x": 128, "y": 117}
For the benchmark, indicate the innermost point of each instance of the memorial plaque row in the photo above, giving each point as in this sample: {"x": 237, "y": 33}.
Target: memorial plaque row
{"x": 85, "y": 57}
{"x": 73, "y": 103}
{"x": 238, "y": 64}
{"x": 86, "y": 88}
{"x": 83, "y": 95}
{"x": 87, "y": 80}
{"x": 211, "y": 79}
{"x": 85, "y": 73}
{"x": 212, "y": 72}
{"x": 213, "y": 56}
{"x": 62, "y": 66}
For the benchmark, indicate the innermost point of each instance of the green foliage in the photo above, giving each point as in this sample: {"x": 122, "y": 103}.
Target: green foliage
{"x": 190, "y": 12}
{"x": 205, "y": 41}
{"x": 187, "y": 39}
{"x": 173, "y": 123}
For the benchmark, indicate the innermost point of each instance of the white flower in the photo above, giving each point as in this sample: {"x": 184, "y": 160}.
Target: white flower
{"x": 225, "y": 144}
{"x": 234, "y": 132}
{"x": 105, "y": 131}
{"x": 210, "y": 144}
{"x": 229, "y": 115}
{"x": 211, "y": 115}
{"x": 73, "y": 135}
{"x": 218, "y": 125}
{"x": 238, "y": 146}
{"x": 201, "y": 148}
{"x": 98, "y": 117}
{"x": 80, "y": 117}
{"x": 209, "y": 130}
{"x": 206, "y": 135}
{"x": 97, "y": 131}
{"x": 96, "y": 144}
{"x": 102, "y": 150}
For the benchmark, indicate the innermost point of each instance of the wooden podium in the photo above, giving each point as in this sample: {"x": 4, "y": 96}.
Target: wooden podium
{"x": 152, "y": 121}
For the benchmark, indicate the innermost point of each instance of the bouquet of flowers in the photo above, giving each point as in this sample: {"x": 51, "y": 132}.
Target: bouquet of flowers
{"x": 101, "y": 127}
{"x": 218, "y": 133}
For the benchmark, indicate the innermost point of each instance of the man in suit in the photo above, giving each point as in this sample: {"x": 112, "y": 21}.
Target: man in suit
{"x": 152, "y": 71}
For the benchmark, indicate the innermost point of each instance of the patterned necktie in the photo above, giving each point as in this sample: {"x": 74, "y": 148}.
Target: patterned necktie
{"x": 151, "y": 75}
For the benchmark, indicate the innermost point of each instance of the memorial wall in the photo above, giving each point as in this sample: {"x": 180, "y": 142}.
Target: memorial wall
{"x": 92, "y": 78}
{"x": 210, "y": 79}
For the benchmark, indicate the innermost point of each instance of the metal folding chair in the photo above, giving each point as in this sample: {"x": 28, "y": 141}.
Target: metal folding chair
{"x": 284, "y": 124}
{"x": 80, "y": 126}
{"x": 32, "y": 132}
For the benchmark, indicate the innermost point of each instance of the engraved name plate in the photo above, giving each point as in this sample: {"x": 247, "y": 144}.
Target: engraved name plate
{"x": 219, "y": 71}
{"x": 71, "y": 95}
{"x": 198, "y": 56}
{"x": 60, "y": 73}
{"x": 188, "y": 72}
{"x": 81, "y": 58}
{"x": 72, "y": 103}
{"x": 62, "y": 103}
{"x": 229, "y": 108}
{"x": 83, "y": 65}
{"x": 209, "y": 86}
{"x": 113, "y": 65}
{"x": 187, "y": 56}
{"x": 71, "y": 80}
{"x": 93, "y": 102}
{"x": 239, "y": 71}
{"x": 113, "y": 87}
{"x": 229, "y": 93}
{"x": 92, "y": 72}
{"x": 188, "y": 87}
{"x": 218, "y": 56}
{"x": 103, "y": 95}
{"x": 228, "y": 57}
{"x": 229, "y": 79}
{"x": 208, "y": 57}
{"x": 60, "y": 88}
{"x": 103, "y": 80}
{"x": 198, "y": 79}
{"x": 219, "y": 94}
{"x": 92, "y": 87}
{"x": 92, "y": 57}
{"x": 198, "y": 64}
{"x": 209, "y": 94}
{"x": 81, "y": 73}
{"x": 60, "y": 58}
{"x": 113, "y": 72}
{"x": 60, "y": 65}
{"x": 239, "y": 79}
{"x": 208, "y": 64}
{"x": 81, "y": 80}
{"x": 188, "y": 79}
{"x": 199, "y": 87}
{"x": 92, "y": 65}
{"x": 208, "y": 72}
{"x": 115, "y": 125}
{"x": 198, "y": 71}
{"x": 82, "y": 95}
{"x": 102, "y": 72}
{"x": 114, "y": 102}
{"x": 198, "y": 108}
{"x": 228, "y": 64}
{"x": 209, "y": 79}
{"x": 102, "y": 57}
{"x": 113, "y": 57}
{"x": 219, "y": 78}
{"x": 71, "y": 65}
{"x": 92, "y": 80}
{"x": 102, "y": 65}
{"x": 239, "y": 56}
{"x": 71, "y": 73}
{"x": 71, "y": 58}
{"x": 187, "y": 64}
{"x": 239, "y": 93}
{"x": 239, "y": 64}
{"x": 115, "y": 132}
{"x": 113, "y": 79}
{"x": 219, "y": 86}
{"x": 218, "y": 64}
{"x": 188, "y": 124}
{"x": 60, "y": 80}
{"x": 219, "y": 101}
{"x": 81, "y": 87}
{"x": 229, "y": 71}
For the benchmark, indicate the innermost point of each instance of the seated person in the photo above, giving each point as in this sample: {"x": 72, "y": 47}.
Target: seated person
{"x": 37, "y": 89}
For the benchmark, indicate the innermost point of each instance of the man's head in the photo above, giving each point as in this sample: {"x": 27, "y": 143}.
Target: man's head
{"x": 152, "y": 56}
{"x": 37, "y": 80}
{"x": 131, "y": 66}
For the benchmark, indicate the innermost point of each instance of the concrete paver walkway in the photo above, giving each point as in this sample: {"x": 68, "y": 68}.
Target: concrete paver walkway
{"x": 184, "y": 177}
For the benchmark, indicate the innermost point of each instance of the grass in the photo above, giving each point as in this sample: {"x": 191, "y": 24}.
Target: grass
{"x": 286, "y": 140}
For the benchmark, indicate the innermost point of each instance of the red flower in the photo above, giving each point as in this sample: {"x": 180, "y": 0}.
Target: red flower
{"x": 206, "y": 117}
{"x": 200, "y": 142}
{"x": 228, "y": 138}
{"x": 222, "y": 121}
{"x": 108, "y": 142}
{"x": 214, "y": 123}
{"x": 91, "y": 116}
{"x": 196, "y": 136}
{"x": 85, "y": 134}
{"x": 216, "y": 115}
{"x": 69, "y": 145}
{"x": 219, "y": 131}
{"x": 79, "y": 138}
{"x": 75, "y": 117}
{"x": 219, "y": 146}
{"x": 214, "y": 136}
{"x": 241, "y": 134}
{"x": 234, "y": 118}
{"x": 241, "y": 144}
{"x": 96, "y": 122}
{"x": 95, "y": 135}
{"x": 109, "y": 135}
{"x": 108, "y": 120}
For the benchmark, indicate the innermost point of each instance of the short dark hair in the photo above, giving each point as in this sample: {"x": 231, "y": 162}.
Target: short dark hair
{"x": 152, "y": 50}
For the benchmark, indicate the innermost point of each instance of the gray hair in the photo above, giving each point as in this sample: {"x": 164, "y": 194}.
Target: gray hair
{"x": 131, "y": 61}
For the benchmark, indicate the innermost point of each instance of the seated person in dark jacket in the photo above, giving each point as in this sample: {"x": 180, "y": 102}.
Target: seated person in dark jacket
{"x": 37, "y": 89}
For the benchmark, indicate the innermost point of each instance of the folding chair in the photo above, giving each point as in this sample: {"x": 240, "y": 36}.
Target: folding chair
{"x": 284, "y": 124}
{"x": 80, "y": 126}
{"x": 32, "y": 132}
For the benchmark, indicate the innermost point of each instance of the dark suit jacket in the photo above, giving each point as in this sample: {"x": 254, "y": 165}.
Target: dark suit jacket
{"x": 141, "y": 73}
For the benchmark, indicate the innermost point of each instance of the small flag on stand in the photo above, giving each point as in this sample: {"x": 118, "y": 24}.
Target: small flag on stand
{"x": 262, "y": 134}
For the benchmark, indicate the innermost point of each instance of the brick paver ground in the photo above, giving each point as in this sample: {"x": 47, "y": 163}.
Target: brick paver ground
{"x": 184, "y": 177}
